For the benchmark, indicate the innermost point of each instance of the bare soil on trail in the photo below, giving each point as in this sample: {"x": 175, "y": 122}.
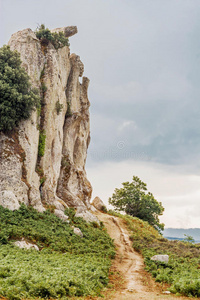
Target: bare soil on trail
{"x": 128, "y": 277}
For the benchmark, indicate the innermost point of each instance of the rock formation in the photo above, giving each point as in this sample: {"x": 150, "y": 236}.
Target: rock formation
{"x": 58, "y": 177}
{"x": 98, "y": 204}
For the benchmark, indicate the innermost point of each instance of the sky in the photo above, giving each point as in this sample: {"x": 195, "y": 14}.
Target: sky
{"x": 142, "y": 58}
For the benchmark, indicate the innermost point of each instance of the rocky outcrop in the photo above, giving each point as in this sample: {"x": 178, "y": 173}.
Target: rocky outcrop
{"x": 161, "y": 257}
{"x": 68, "y": 31}
{"x": 57, "y": 178}
{"x": 78, "y": 232}
{"x": 26, "y": 245}
{"x": 98, "y": 204}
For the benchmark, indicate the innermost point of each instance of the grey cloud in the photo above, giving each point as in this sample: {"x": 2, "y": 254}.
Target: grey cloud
{"x": 143, "y": 61}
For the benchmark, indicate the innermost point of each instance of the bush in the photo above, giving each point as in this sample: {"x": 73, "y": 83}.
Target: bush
{"x": 135, "y": 201}
{"x": 58, "y": 40}
{"x": 41, "y": 145}
{"x": 69, "y": 111}
{"x": 17, "y": 98}
{"x": 59, "y": 107}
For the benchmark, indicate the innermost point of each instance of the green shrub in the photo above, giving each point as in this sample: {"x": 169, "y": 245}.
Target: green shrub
{"x": 43, "y": 34}
{"x": 42, "y": 180}
{"x": 104, "y": 209}
{"x": 69, "y": 112}
{"x": 41, "y": 145}
{"x": 59, "y": 107}
{"x": 17, "y": 98}
{"x": 43, "y": 88}
{"x": 65, "y": 163}
{"x": 70, "y": 212}
{"x": 58, "y": 40}
{"x": 134, "y": 199}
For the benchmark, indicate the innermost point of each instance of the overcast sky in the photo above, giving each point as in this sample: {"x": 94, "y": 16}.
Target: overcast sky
{"x": 143, "y": 61}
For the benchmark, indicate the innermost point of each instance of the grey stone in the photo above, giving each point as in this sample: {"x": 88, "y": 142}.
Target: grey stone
{"x": 86, "y": 215}
{"x": 162, "y": 258}
{"x": 93, "y": 209}
{"x": 60, "y": 214}
{"x": 68, "y": 31}
{"x": 77, "y": 231}
{"x": 98, "y": 204}
{"x": 9, "y": 200}
{"x": 26, "y": 245}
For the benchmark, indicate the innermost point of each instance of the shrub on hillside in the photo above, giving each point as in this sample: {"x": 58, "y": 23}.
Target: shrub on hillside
{"x": 134, "y": 199}
{"x": 17, "y": 98}
{"x": 57, "y": 39}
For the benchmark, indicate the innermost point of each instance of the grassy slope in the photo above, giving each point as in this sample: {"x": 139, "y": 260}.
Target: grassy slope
{"x": 66, "y": 265}
{"x": 183, "y": 270}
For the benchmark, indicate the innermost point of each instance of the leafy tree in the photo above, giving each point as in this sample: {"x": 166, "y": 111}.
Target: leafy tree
{"x": 17, "y": 98}
{"x": 134, "y": 199}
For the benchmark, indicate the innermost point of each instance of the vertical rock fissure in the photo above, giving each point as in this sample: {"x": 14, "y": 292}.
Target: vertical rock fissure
{"x": 41, "y": 138}
{"x": 65, "y": 165}
{"x": 14, "y": 147}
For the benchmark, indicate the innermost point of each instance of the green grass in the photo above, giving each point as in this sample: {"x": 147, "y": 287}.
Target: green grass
{"x": 182, "y": 272}
{"x": 66, "y": 265}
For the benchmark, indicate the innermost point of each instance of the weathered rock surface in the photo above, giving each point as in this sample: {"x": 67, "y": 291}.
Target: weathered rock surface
{"x": 67, "y": 131}
{"x": 60, "y": 214}
{"x": 162, "y": 258}
{"x": 26, "y": 245}
{"x": 86, "y": 215}
{"x": 77, "y": 231}
{"x": 98, "y": 204}
{"x": 68, "y": 31}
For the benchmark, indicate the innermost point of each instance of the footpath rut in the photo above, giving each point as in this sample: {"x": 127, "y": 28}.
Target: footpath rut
{"x": 135, "y": 283}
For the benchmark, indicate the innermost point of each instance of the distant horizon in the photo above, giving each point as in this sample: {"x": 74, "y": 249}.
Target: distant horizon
{"x": 180, "y": 233}
{"x": 182, "y": 228}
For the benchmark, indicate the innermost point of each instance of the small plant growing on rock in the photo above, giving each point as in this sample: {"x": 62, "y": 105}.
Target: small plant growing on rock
{"x": 57, "y": 39}
{"x": 43, "y": 88}
{"x": 42, "y": 180}
{"x": 41, "y": 146}
{"x": 59, "y": 107}
{"x": 104, "y": 209}
{"x": 65, "y": 163}
{"x": 69, "y": 112}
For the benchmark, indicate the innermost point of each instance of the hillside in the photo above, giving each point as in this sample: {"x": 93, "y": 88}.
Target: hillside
{"x": 74, "y": 258}
{"x": 128, "y": 278}
{"x": 180, "y": 275}
{"x": 66, "y": 264}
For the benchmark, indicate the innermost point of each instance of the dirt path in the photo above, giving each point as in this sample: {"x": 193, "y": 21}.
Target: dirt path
{"x": 134, "y": 282}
